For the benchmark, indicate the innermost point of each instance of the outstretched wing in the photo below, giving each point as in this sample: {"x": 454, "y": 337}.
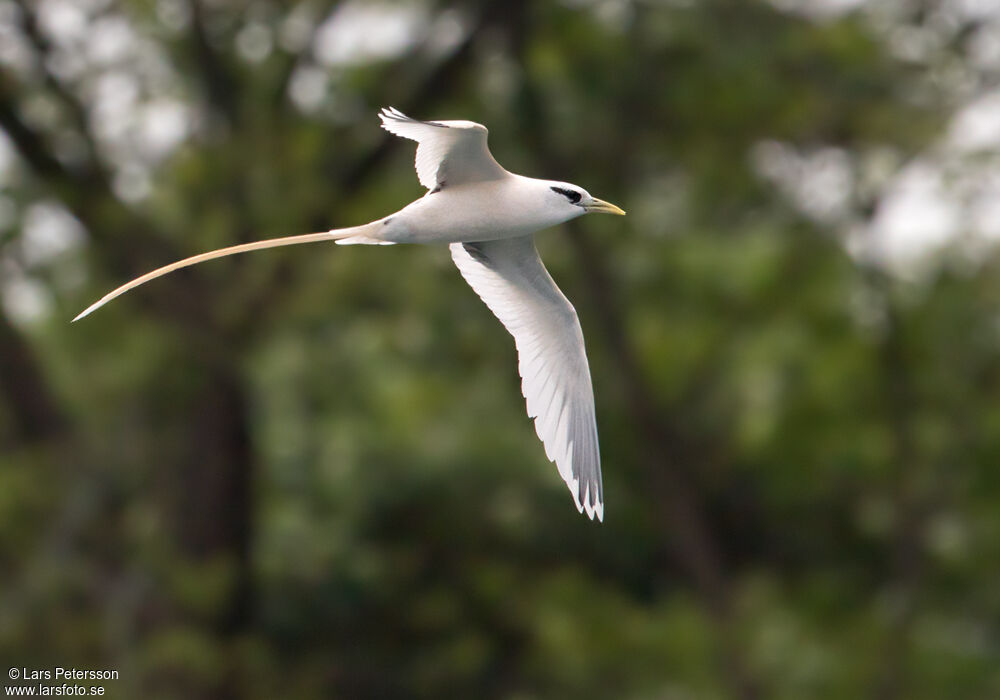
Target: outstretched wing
{"x": 448, "y": 153}
{"x": 509, "y": 276}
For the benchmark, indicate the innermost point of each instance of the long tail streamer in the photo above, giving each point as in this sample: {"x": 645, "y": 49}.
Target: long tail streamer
{"x": 220, "y": 253}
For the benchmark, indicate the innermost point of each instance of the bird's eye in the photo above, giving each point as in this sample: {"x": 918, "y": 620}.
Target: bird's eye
{"x": 571, "y": 195}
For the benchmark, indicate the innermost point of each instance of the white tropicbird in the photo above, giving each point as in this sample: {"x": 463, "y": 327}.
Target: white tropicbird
{"x": 488, "y": 217}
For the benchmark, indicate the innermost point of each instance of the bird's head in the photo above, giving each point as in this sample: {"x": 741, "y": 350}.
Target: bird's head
{"x": 575, "y": 201}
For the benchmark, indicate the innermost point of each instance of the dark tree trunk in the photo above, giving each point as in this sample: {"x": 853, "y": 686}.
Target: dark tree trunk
{"x": 34, "y": 412}
{"x": 211, "y": 496}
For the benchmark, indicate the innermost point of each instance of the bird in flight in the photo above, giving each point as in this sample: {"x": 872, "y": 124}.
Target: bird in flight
{"x": 488, "y": 217}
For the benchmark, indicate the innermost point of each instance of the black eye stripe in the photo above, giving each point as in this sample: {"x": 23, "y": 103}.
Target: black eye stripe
{"x": 571, "y": 195}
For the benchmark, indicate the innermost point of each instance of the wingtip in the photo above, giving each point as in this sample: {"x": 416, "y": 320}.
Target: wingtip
{"x": 584, "y": 505}
{"x": 391, "y": 116}
{"x": 391, "y": 112}
{"x": 595, "y": 511}
{"x": 591, "y": 509}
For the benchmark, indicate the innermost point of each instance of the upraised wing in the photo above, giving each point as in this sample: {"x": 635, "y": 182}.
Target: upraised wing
{"x": 509, "y": 276}
{"x": 448, "y": 152}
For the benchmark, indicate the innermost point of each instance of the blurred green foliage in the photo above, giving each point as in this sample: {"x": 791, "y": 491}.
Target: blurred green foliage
{"x": 308, "y": 473}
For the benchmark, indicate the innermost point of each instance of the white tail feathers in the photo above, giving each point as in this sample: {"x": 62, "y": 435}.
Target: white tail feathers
{"x": 362, "y": 234}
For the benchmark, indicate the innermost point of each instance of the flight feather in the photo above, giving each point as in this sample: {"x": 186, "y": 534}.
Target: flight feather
{"x": 510, "y": 278}
{"x": 448, "y": 152}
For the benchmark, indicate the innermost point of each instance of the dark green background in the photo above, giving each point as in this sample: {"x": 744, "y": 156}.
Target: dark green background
{"x": 308, "y": 472}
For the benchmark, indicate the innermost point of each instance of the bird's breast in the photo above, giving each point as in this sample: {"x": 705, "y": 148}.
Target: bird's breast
{"x": 469, "y": 212}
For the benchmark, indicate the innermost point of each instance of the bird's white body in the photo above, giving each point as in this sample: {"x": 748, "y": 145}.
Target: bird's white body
{"x": 488, "y": 216}
{"x": 477, "y": 211}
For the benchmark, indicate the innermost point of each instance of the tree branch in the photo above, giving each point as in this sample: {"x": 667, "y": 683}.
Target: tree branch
{"x": 910, "y": 504}
{"x": 220, "y": 85}
{"x": 77, "y": 111}
{"x": 129, "y": 243}
{"x": 434, "y": 84}
{"x": 28, "y": 142}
